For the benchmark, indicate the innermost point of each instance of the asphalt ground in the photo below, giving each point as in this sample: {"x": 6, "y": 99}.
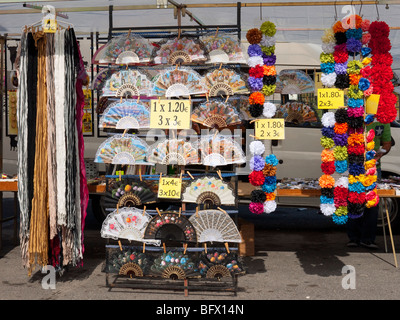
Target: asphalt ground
{"x": 300, "y": 256}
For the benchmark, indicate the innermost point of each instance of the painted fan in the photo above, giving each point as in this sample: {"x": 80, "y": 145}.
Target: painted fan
{"x": 209, "y": 190}
{"x": 219, "y": 150}
{"x": 216, "y": 113}
{"x": 127, "y": 223}
{"x": 127, "y": 114}
{"x": 170, "y": 226}
{"x": 174, "y": 265}
{"x": 176, "y": 82}
{"x": 294, "y": 82}
{"x": 128, "y": 262}
{"x": 127, "y": 82}
{"x": 125, "y": 49}
{"x": 296, "y": 112}
{"x": 223, "y": 48}
{"x": 225, "y": 82}
{"x": 219, "y": 264}
{"x": 101, "y": 78}
{"x": 182, "y": 50}
{"x": 130, "y": 193}
{"x": 122, "y": 149}
{"x": 215, "y": 226}
{"x": 173, "y": 151}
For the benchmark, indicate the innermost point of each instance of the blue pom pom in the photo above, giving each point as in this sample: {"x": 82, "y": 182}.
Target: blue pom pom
{"x": 365, "y": 51}
{"x": 371, "y": 187}
{"x": 272, "y": 160}
{"x": 355, "y": 103}
{"x": 268, "y": 188}
{"x": 339, "y": 219}
{"x": 327, "y": 67}
{"x": 341, "y": 166}
{"x": 356, "y": 187}
{"x": 326, "y": 200}
{"x": 370, "y": 155}
{"x": 364, "y": 84}
{"x": 369, "y": 119}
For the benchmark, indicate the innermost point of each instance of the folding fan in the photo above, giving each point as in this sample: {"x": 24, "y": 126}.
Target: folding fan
{"x": 209, "y": 190}
{"x": 223, "y": 48}
{"x": 215, "y": 226}
{"x": 170, "y": 226}
{"x": 128, "y": 262}
{"x": 127, "y": 82}
{"x": 129, "y": 193}
{"x": 125, "y": 49}
{"x": 173, "y": 151}
{"x": 101, "y": 77}
{"x": 174, "y": 265}
{"x": 122, "y": 149}
{"x": 225, "y": 82}
{"x": 217, "y": 263}
{"x": 294, "y": 82}
{"x": 175, "y": 82}
{"x": 182, "y": 50}
{"x": 296, "y": 112}
{"x": 127, "y": 223}
{"x": 219, "y": 150}
{"x": 216, "y": 113}
{"x": 127, "y": 114}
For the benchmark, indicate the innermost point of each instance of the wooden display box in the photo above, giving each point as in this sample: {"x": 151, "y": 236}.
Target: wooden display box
{"x": 247, "y": 247}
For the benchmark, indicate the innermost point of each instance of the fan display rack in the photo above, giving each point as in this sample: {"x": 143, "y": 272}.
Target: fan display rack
{"x": 220, "y": 278}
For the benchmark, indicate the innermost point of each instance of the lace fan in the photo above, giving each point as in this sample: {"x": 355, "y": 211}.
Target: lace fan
{"x": 219, "y": 150}
{"x": 223, "y": 48}
{"x": 125, "y": 49}
{"x": 225, "y": 82}
{"x": 130, "y": 193}
{"x": 182, "y": 50}
{"x": 127, "y": 223}
{"x": 127, "y": 82}
{"x": 296, "y": 112}
{"x": 209, "y": 190}
{"x": 215, "y": 226}
{"x": 170, "y": 226}
{"x": 173, "y": 151}
{"x": 120, "y": 149}
{"x": 294, "y": 82}
{"x": 216, "y": 113}
{"x": 127, "y": 114}
{"x": 176, "y": 82}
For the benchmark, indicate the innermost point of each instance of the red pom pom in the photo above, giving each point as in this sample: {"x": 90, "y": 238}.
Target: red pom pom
{"x": 340, "y": 196}
{"x": 379, "y": 29}
{"x": 355, "y": 197}
{"x": 256, "y": 72}
{"x": 328, "y": 167}
{"x": 256, "y": 178}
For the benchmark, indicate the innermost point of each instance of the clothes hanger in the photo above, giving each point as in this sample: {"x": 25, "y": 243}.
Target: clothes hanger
{"x": 49, "y": 13}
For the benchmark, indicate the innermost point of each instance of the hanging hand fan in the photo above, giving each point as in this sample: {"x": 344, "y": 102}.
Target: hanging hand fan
{"x": 182, "y": 50}
{"x": 127, "y": 114}
{"x": 127, "y": 223}
{"x": 215, "y": 264}
{"x": 127, "y": 82}
{"x": 296, "y": 112}
{"x": 176, "y": 82}
{"x": 120, "y": 149}
{"x": 125, "y": 49}
{"x": 173, "y": 151}
{"x": 174, "y": 265}
{"x": 209, "y": 190}
{"x": 101, "y": 78}
{"x": 294, "y": 82}
{"x": 170, "y": 226}
{"x": 129, "y": 193}
{"x": 128, "y": 262}
{"x": 223, "y": 48}
{"x": 215, "y": 226}
{"x": 216, "y": 113}
{"x": 225, "y": 82}
{"x": 219, "y": 150}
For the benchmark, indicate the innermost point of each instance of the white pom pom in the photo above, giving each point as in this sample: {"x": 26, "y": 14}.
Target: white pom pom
{"x": 328, "y": 119}
{"x": 267, "y": 41}
{"x": 254, "y": 61}
{"x": 269, "y": 110}
{"x": 328, "y": 79}
{"x": 257, "y": 147}
{"x": 342, "y": 182}
{"x": 328, "y": 47}
{"x": 327, "y": 209}
{"x": 269, "y": 206}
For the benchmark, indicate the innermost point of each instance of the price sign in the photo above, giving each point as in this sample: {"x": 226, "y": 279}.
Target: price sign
{"x": 170, "y": 114}
{"x": 170, "y": 188}
{"x": 270, "y": 129}
{"x": 49, "y": 26}
{"x": 331, "y": 98}
{"x": 372, "y": 103}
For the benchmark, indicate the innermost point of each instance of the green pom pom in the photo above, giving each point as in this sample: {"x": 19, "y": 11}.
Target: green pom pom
{"x": 341, "y": 211}
{"x": 354, "y": 66}
{"x": 327, "y": 143}
{"x": 268, "y": 50}
{"x": 354, "y": 92}
{"x": 326, "y": 58}
{"x": 340, "y": 153}
{"x": 268, "y": 28}
{"x": 268, "y": 90}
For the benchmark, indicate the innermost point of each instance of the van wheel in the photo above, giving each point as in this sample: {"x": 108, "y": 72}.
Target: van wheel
{"x": 394, "y": 215}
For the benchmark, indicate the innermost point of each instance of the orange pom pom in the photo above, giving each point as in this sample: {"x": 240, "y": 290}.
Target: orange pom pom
{"x": 256, "y": 98}
{"x": 354, "y": 79}
{"x": 338, "y": 27}
{"x": 327, "y": 155}
{"x": 269, "y": 70}
{"x": 326, "y": 181}
{"x": 341, "y": 128}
